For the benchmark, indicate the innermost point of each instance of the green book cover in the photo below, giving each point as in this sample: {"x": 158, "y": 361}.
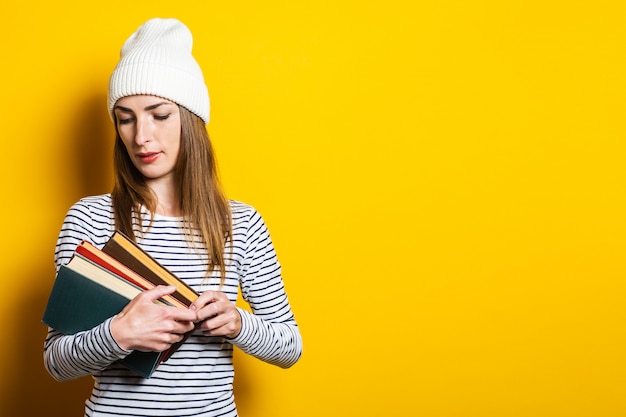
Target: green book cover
{"x": 76, "y": 303}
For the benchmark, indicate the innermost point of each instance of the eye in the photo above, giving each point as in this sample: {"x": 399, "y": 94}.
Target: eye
{"x": 124, "y": 117}
{"x": 162, "y": 116}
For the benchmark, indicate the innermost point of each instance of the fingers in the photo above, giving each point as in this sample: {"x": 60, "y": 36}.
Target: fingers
{"x": 217, "y": 315}
{"x": 227, "y": 324}
{"x": 162, "y": 343}
{"x": 158, "y": 292}
{"x": 180, "y": 326}
{"x": 149, "y": 326}
{"x": 210, "y": 304}
{"x": 175, "y": 313}
{"x": 182, "y": 315}
{"x": 206, "y": 298}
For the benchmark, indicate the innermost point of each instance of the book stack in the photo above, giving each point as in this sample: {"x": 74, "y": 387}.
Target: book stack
{"x": 98, "y": 283}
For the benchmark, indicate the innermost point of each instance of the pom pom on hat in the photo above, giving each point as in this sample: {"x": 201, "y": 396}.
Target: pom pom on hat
{"x": 157, "y": 60}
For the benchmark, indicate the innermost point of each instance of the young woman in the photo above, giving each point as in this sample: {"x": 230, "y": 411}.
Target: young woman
{"x": 168, "y": 199}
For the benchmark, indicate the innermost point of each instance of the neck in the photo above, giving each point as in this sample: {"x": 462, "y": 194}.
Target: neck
{"x": 170, "y": 210}
{"x": 167, "y": 199}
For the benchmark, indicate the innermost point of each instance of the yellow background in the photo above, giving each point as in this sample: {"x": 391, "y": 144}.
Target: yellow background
{"x": 443, "y": 180}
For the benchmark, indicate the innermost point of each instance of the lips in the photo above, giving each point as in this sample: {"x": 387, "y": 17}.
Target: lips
{"x": 148, "y": 157}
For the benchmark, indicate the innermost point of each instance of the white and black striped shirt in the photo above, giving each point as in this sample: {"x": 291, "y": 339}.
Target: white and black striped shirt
{"x": 197, "y": 380}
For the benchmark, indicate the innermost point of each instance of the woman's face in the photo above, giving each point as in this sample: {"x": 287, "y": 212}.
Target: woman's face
{"x": 150, "y": 129}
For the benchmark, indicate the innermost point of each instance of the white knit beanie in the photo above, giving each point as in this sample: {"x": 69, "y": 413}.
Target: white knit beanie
{"x": 157, "y": 60}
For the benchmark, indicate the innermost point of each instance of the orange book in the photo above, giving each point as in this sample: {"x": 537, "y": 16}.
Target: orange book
{"x": 130, "y": 254}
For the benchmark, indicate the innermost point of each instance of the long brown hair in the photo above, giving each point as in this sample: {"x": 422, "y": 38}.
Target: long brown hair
{"x": 205, "y": 209}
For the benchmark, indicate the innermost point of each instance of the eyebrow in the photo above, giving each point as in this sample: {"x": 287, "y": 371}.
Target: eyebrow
{"x": 148, "y": 108}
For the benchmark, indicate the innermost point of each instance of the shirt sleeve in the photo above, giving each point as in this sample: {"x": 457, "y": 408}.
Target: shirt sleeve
{"x": 68, "y": 357}
{"x": 81, "y": 223}
{"x": 269, "y": 332}
{"x": 84, "y": 353}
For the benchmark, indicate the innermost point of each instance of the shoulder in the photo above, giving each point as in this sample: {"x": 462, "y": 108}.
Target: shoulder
{"x": 248, "y": 223}
{"x": 94, "y": 204}
{"x": 92, "y": 216}
{"x": 240, "y": 209}
{"x": 244, "y": 215}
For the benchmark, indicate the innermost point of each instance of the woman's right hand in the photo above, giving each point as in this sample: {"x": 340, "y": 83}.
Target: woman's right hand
{"x": 148, "y": 326}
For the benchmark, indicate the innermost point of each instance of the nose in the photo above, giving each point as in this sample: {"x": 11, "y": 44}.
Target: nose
{"x": 142, "y": 132}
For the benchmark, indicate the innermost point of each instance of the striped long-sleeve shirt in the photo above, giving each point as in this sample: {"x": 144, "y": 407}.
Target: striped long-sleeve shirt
{"x": 197, "y": 380}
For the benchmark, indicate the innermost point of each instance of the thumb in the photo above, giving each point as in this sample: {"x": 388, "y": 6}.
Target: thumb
{"x": 159, "y": 291}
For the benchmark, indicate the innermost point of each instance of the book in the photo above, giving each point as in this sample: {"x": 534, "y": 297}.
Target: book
{"x": 89, "y": 251}
{"x": 132, "y": 255}
{"x": 122, "y": 248}
{"x": 78, "y": 303}
{"x": 97, "y": 284}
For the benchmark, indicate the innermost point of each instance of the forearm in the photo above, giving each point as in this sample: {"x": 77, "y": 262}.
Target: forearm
{"x": 277, "y": 343}
{"x": 68, "y": 357}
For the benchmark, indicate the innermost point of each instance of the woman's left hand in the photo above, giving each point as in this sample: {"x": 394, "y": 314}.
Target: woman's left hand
{"x": 217, "y": 315}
